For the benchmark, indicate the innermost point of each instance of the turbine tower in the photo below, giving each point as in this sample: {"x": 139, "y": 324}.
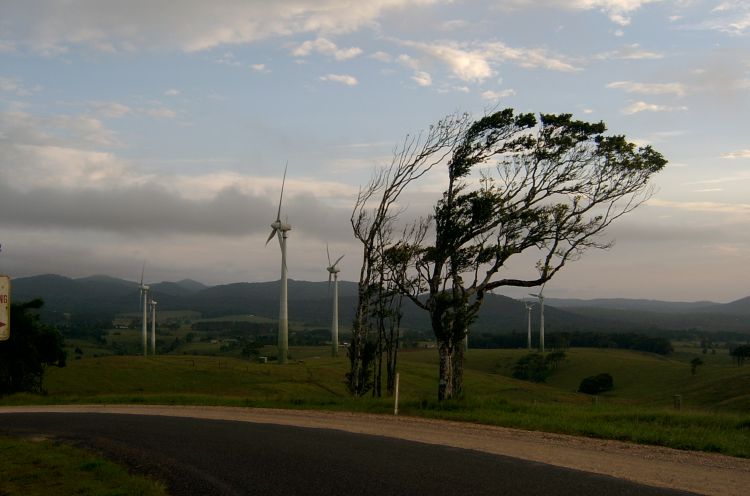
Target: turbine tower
{"x": 280, "y": 229}
{"x": 541, "y": 317}
{"x": 153, "y": 325}
{"x": 334, "y": 271}
{"x": 529, "y": 306}
{"x": 144, "y": 300}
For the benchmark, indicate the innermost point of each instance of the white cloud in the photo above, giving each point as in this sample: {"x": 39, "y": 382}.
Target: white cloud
{"x": 636, "y": 107}
{"x": 474, "y": 62}
{"x": 13, "y": 86}
{"x": 422, "y": 78}
{"x": 161, "y": 112}
{"x": 340, "y": 78}
{"x": 677, "y": 89}
{"x": 229, "y": 59}
{"x": 53, "y": 27}
{"x": 618, "y": 11}
{"x": 172, "y": 92}
{"x": 495, "y": 96}
{"x": 260, "y": 68}
{"x": 629, "y": 52}
{"x": 737, "y": 154}
{"x": 326, "y": 47}
{"x": 111, "y": 109}
{"x": 382, "y": 56}
{"x": 716, "y": 207}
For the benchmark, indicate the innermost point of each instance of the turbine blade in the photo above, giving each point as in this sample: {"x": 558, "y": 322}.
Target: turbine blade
{"x": 328, "y": 253}
{"x": 337, "y": 261}
{"x": 278, "y": 213}
{"x": 143, "y": 270}
{"x": 273, "y": 231}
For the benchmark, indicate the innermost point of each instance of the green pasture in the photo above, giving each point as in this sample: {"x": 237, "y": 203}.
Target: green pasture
{"x": 39, "y": 467}
{"x": 714, "y": 416}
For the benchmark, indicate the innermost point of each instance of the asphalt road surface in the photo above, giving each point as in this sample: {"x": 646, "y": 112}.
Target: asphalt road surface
{"x": 217, "y": 457}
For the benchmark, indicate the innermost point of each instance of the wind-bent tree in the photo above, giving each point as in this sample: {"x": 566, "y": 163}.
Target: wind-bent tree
{"x": 557, "y": 184}
{"x": 372, "y": 221}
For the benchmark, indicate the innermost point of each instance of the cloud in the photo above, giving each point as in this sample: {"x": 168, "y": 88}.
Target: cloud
{"x": 475, "y": 62}
{"x": 10, "y": 85}
{"x": 340, "y": 78}
{"x": 731, "y": 17}
{"x": 326, "y": 47}
{"x": 161, "y": 112}
{"x": 260, "y": 68}
{"x": 629, "y": 52}
{"x": 172, "y": 92}
{"x": 111, "y": 109}
{"x": 422, "y": 78}
{"x": 618, "y": 11}
{"x": 382, "y": 57}
{"x": 737, "y": 154}
{"x": 677, "y": 89}
{"x": 711, "y": 207}
{"x": 53, "y": 27}
{"x": 495, "y": 96}
{"x": 636, "y": 107}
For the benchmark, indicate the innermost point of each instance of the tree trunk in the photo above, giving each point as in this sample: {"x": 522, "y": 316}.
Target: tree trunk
{"x": 445, "y": 383}
{"x": 458, "y": 369}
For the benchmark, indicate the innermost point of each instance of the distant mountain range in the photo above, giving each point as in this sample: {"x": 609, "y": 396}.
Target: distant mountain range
{"x": 103, "y": 297}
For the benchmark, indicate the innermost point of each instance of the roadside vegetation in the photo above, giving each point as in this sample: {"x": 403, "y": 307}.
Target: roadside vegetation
{"x": 639, "y": 408}
{"x": 37, "y": 467}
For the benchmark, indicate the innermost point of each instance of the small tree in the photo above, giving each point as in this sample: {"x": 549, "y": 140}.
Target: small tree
{"x": 31, "y": 347}
{"x": 596, "y": 384}
{"x": 740, "y": 353}
{"x": 694, "y": 364}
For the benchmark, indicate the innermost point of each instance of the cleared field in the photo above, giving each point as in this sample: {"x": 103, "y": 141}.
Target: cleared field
{"x": 638, "y": 409}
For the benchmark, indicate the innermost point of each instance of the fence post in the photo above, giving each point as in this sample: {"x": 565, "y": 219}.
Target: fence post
{"x": 678, "y": 401}
{"x": 395, "y": 406}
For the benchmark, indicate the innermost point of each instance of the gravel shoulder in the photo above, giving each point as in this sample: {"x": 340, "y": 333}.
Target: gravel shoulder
{"x": 704, "y": 473}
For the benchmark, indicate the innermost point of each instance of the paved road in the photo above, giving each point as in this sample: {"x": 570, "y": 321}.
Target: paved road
{"x": 216, "y": 457}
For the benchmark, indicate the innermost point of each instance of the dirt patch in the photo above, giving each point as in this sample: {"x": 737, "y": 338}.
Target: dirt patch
{"x": 704, "y": 473}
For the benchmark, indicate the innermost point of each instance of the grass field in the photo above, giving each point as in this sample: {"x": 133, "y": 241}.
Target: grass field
{"x": 37, "y": 467}
{"x": 716, "y": 400}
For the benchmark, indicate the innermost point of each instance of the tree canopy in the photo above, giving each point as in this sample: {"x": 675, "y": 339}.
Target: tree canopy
{"x": 32, "y": 346}
{"x": 548, "y": 186}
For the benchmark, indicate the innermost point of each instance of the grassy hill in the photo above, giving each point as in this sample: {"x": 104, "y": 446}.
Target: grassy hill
{"x": 716, "y": 400}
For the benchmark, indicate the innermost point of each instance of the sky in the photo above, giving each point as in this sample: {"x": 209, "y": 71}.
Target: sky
{"x": 158, "y": 131}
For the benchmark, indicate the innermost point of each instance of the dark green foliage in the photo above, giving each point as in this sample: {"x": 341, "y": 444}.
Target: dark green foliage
{"x": 536, "y": 367}
{"x": 694, "y": 364}
{"x": 563, "y": 340}
{"x": 596, "y": 384}
{"x": 740, "y": 353}
{"x": 31, "y": 346}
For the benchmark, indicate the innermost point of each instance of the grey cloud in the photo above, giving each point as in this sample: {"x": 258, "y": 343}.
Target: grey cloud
{"x": 150, "y": 209}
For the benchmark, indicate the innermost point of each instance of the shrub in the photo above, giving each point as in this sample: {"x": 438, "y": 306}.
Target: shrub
{"x": 596, "y": 384}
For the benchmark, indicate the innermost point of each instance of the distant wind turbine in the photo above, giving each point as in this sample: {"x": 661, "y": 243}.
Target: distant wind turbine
{"x": 153, "y": 326}
{"x": 333, "y": 271}
{"x": 280, "y": 229}
{"x": 529, "y": 306}
{"x": 144, "y": 301}
{"x": 541, "y": 317}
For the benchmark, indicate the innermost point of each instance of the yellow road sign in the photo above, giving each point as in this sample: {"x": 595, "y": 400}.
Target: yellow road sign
{"x": 4, "y": 308}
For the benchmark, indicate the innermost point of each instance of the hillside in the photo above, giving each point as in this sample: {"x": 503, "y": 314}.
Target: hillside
{"x": 103, "y": 297}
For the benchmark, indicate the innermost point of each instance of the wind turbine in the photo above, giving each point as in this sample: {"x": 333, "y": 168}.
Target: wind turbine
{"x": 280, "y": 229}
{"x": 541, "y": 317}
{"x": 529, "y": 306}
{"x": 334, "y": 271}
{"x": 144, "y": 300}
{"x": 153, "y": 325}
